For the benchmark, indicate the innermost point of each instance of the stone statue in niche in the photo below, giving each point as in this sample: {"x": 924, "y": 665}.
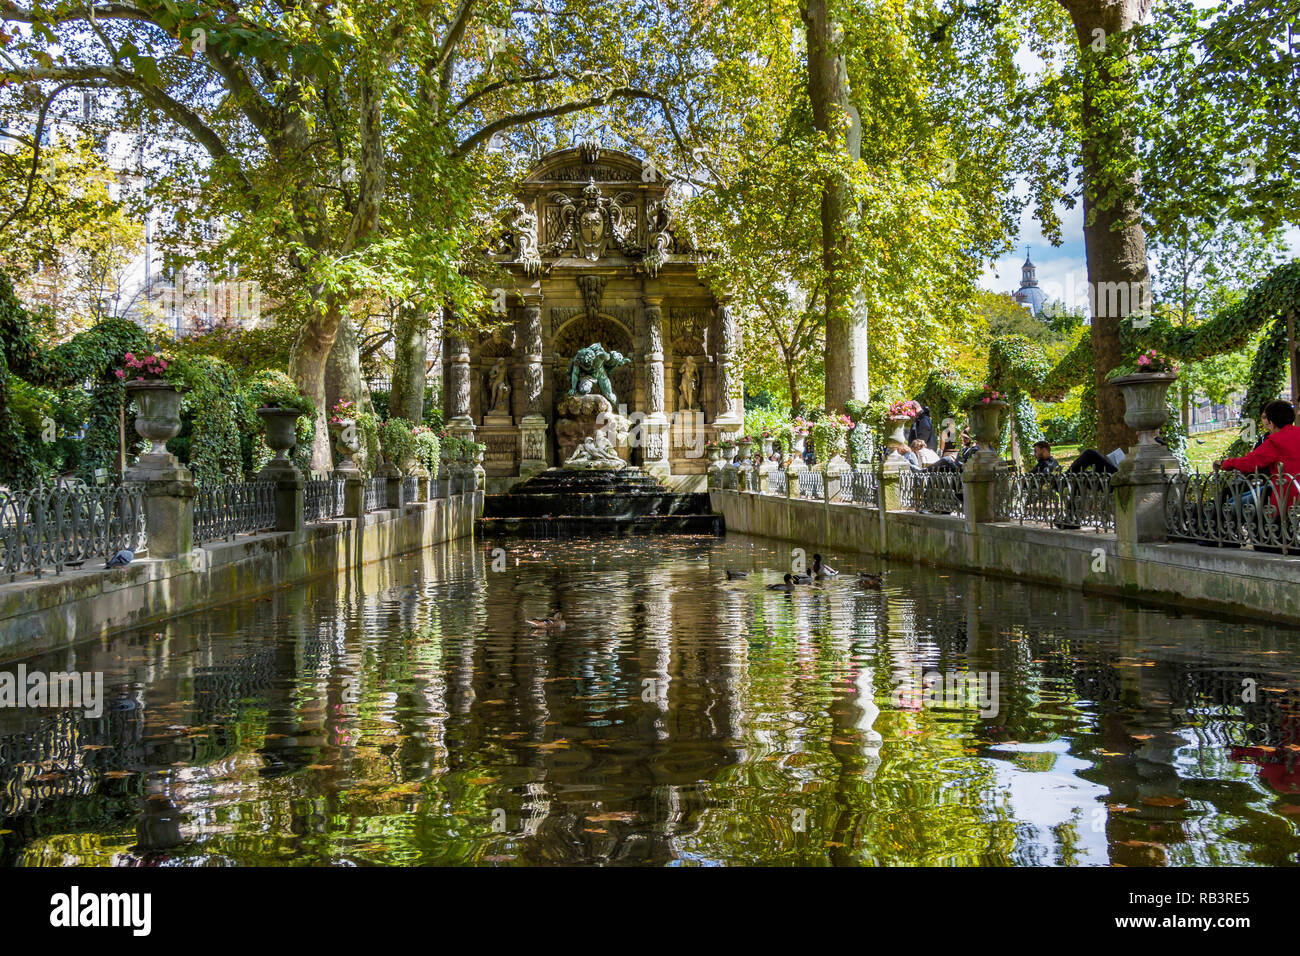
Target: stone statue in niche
{"x": 589, "y": 370}
{"x": 689, "y": 385}
{"x": 498, "y": 389}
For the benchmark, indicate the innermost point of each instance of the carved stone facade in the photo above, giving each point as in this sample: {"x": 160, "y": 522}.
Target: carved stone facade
{"x": 594, "y": 257}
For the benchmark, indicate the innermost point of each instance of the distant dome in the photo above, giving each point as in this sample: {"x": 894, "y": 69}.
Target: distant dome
{"x": 1029, "y": 294}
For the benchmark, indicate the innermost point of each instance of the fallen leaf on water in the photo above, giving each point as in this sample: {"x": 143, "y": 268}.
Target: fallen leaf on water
{"x": 613, "y": 816}
{"x": 273, "y": 736}
{"x": 118, "y": 774}
{"x": 319, "y": 766}
{"x": 1109, "y": 753}
{"x": 593, "y": 830}
{"x": 1120, "y": 808}
{"x": 96, "y": 747}
{"x": 1142, "y": 736}
{"x": 43, "y": 777}
{"x": 1141, "y": 843}
{"x": 1164, "y": 801}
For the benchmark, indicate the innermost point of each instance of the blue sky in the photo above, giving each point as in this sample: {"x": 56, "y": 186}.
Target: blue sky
{"x": 1060, "y": 268}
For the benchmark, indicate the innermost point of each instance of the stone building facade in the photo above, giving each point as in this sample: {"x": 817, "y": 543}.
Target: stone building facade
{"x": 591, "y": 256}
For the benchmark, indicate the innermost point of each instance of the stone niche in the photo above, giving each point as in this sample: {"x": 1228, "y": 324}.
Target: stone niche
{"x": 593, "y": 256}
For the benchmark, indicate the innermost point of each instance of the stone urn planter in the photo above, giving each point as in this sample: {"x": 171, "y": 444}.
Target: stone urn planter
{"x": 348, "y": 441}
{"x": 728, "y": 448}
{"x": 159, "y": 418}
{"x": 797, "y": 445}
{"x": 895, "y": 429}
{"x": 280, "y": 436}
{"x": 1146, "y": 411}
{"x": 986, "y": 425}
{"x": 746, "y": 450}
{"x": 767, "y": 448}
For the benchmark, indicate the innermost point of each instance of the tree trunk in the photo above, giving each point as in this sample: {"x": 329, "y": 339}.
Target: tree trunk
{"x": 343, "y": 380}
{"x": 411, "y": 350}
{"x": 307, "y": 363}
{"x": 846, "y": 320}
{"x": 1113, "y": 237}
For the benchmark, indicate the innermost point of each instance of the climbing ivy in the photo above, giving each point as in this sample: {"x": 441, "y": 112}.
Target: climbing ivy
{"x": 1019, "y": 368}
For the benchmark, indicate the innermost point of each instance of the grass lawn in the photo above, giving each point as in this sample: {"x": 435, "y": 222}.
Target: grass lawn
{"x": 1202, "y": 450}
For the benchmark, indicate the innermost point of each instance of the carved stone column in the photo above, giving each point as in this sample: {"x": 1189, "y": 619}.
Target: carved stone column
{"x": 460, "y": 422}
{"x": 654, "y": 430}
{"x": 729, "y": 403}
{"x": 532, "y": 428}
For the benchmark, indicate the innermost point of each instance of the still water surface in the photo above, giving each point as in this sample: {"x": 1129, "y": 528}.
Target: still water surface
{"x": 408, "y": 714}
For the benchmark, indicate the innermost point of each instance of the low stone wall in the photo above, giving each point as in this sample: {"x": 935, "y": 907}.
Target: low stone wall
{"x": 40, "y": 614}
{"x": 1183, "y": 575}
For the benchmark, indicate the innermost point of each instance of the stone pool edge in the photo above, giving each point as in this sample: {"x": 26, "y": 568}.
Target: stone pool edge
{"x": 50, "y": 612}
{"x": 1240, "y": 583}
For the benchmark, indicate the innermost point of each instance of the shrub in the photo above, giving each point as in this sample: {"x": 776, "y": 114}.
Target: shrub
{"x": 427, "y": 447}
{"x": 397, "y": 437}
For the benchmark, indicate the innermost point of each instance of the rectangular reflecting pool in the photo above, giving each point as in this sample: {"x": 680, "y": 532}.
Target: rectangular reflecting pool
{"x": 409, "y": 713}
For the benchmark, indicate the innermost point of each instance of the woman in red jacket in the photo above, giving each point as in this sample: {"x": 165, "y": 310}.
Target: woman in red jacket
{"x": 1279, "y": 453}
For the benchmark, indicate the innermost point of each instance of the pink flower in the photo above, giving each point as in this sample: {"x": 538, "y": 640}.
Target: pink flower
{"x": 130, "y": 357}
{"x": 1144, "y": 360}
{"x": 120, "y": 374}
{"x": 139, "y": 378}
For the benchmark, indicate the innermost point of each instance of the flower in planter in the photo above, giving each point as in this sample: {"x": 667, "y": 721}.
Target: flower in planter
{"x": 150, "y": 368}
{"x": 988, "y": 394}
{"x": 1149, "y": 361}
{"x": 342, "y": 412}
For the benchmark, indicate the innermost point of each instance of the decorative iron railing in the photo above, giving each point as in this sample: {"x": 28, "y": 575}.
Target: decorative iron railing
{"x": 1063, "y": 500}
{"x": 778, "y": 482}
{"x": 810, "y": 484}
{"x": 1229, "y": 509}
{"x": 860, "y": 487}
{"x": 67, "y": 525}
{"x": 409, "y": 488}
{"x": 376, "y": 493}
{"x": 231, "y": 508}
{"x": 932, "y": 492}
{"x": 727, "y": 477}
{"x": 322, "y": 499}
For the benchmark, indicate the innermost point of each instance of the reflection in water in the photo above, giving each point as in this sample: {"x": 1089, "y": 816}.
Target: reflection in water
{"x": 406, "y": 713}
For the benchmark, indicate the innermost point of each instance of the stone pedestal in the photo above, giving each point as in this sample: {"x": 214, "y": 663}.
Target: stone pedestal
{"x": 1139, "y": 491}
{"x": 393, "y": 475}
{"x": 289, "y": 491}
{"x": 501, "y": 439}
{"x": 168, "y": 503}
{"x": 532, "y": 437}
{"x": 654, "y": 446}
{"x": 354, "y": 495}
{"x": 982, "y": 480}
{"x": 421, "y": 476}
{"x": 891, "y": 475}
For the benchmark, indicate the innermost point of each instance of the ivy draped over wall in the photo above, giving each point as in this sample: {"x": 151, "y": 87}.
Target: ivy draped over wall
{"x": 1019, "y": 368}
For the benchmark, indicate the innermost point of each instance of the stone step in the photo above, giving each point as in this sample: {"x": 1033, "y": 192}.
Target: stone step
{"x": 610, "y": 504}
{"x": 599, "y": 527}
